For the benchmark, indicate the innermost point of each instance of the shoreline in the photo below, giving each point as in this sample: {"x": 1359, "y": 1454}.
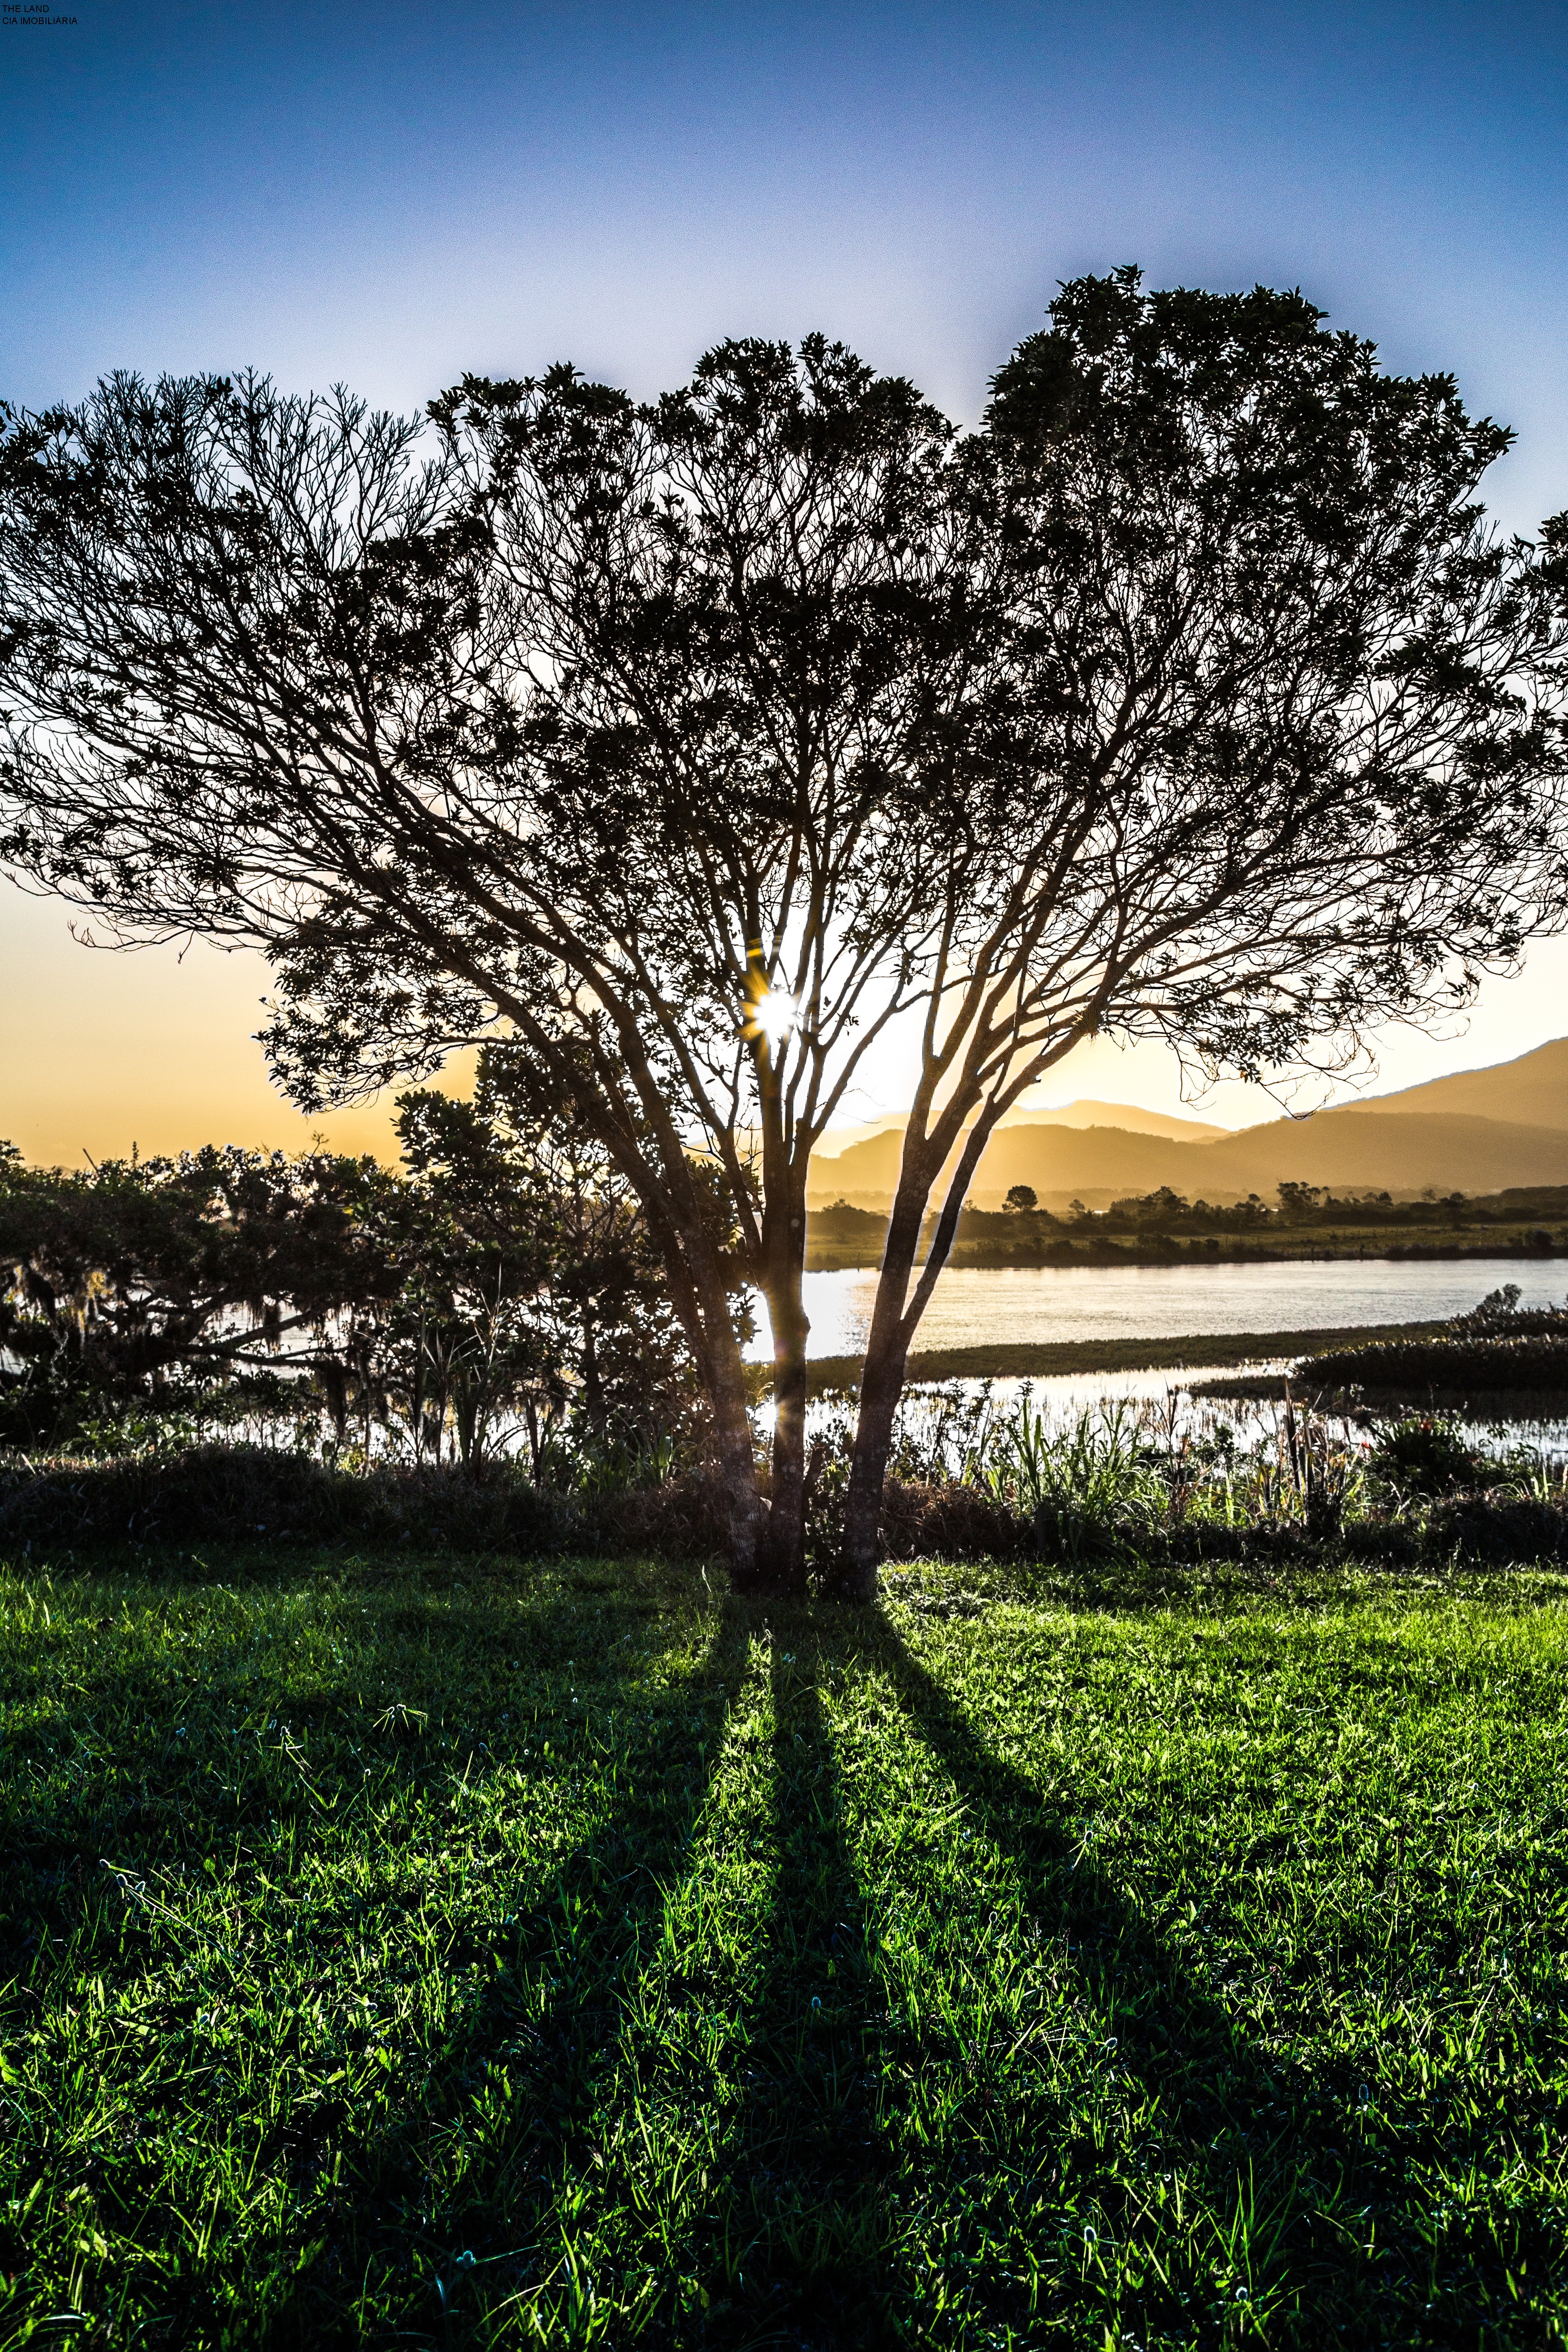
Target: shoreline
{"x": 1183, "y": 1351}
{"x": 847, "y": 1258}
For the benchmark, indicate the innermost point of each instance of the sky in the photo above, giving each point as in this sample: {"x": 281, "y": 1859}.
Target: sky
{"x": 390, "y": 195}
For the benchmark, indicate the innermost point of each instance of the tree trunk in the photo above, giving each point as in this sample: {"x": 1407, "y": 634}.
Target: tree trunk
{"x": 784, "y": 1551}
{"x": 740, "y": 1508}
{"x": 881, "y": 1385}
{"x": 893, "y": 1322}
{"x": 740, "y": 1505}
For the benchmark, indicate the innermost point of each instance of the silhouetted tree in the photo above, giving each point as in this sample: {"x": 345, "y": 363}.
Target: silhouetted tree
{"x": 705, "y": 745}
{"x": 1284, "y": 753}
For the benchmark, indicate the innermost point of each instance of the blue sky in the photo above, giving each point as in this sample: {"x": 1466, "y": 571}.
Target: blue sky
{"x": 390, "y": 194}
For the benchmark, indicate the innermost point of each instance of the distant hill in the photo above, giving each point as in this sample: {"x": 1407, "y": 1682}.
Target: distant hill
{"x": 1403, "y": 1151}
{"x": 1532, "y": 1091}
{"x": 1125, "y": 1116}
{"x": 1053, "y": 1158}
{"x": 1475, "y": 1132}
{"x": 1360, "y": 1146}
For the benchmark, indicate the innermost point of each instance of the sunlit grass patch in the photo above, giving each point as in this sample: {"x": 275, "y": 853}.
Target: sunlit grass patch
{"x": 482, "y": 1954}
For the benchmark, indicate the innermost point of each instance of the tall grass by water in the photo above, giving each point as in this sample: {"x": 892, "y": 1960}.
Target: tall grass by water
{"x": 462, "y": 1953}
{"x": 1140, "y": 1469}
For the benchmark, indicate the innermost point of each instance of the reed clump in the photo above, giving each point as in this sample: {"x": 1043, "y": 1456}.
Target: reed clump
{"x": 1499, "y": 1350}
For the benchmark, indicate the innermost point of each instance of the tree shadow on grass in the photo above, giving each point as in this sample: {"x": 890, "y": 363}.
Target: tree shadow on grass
{"x": 802, "y": 2218}
{"x": 395, "y": 2185}
{"x": 456, "y": 2191}
{"x": 779, "y": 2246}
{"x": 1294, "y": 2221}
{"x": 1163, "y": 2178}
{"x": 472, "y": 2182}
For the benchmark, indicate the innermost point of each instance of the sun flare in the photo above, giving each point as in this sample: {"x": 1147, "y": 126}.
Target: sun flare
{"x": 773, "y": 1016}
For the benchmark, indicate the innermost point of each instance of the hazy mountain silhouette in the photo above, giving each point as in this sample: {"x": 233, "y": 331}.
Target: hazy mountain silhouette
{"x": 1128, "y": 1118}
{"x": 1427, "y": 1135}
{"x": 1131, "y": 1120}
{"x": 1529, "y": 1092}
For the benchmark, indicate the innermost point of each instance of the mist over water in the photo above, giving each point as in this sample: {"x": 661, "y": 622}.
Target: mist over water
{"x": 976, "y": 1307}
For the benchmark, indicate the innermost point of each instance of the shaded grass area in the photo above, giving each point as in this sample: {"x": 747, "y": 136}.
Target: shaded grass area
{"x": 398, "y": 1952}
{"x": 1007, "y": 1359}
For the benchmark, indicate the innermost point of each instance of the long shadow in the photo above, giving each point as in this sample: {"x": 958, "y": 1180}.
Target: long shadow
{"x": 804, "y": 2198}
{"x": 784, "y": 2237}
{"x": 1248, "y": 2130}
{"x": 535, "y": 2066}
{"x": 802, "y": 2256}
{"x": 155, "y": 1806}
{"x": 528, "y": 2062}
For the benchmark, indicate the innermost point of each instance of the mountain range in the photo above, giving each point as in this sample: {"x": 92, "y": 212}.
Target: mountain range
{"x": 1478, "y": 1131}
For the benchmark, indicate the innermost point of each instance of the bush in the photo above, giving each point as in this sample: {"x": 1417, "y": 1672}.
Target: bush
{"x": 947, "y": 1521}
{"x": 235, "y": 1493}
{"x": 1424, "y": 1456}
{"x": 1489, "y": 1353}
{"x": 1062, "y": 1532}
{"x": 1499, "y": 1529}
{"x": 681, "y": 1517}
{"x": 1381, "y": 1543}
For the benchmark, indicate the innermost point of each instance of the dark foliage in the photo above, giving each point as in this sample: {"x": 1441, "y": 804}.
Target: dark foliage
{"x": 140, "y": 1291}
{"x": 239, "y": 1494}
{"x": 1382, "y": 1543}
{"x": 1424, "y": 1456}
{"x": 505, "y": 1282}
{"x": 1501, "y": 1530}
{"x": 947, "y": 1521}
{"x": 1449, "y": 1370}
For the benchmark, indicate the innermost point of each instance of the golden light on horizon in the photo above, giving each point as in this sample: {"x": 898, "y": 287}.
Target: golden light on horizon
{"x": 99, "y": 1050}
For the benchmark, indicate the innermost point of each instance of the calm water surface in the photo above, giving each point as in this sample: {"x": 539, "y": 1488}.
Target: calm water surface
{"x": 976, "y": 1307}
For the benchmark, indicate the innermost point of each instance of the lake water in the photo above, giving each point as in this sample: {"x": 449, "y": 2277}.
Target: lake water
{"x": 977, "y": 1307}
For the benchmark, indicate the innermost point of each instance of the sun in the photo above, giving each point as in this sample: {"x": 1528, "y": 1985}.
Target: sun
{"x": 773, "y": 1016}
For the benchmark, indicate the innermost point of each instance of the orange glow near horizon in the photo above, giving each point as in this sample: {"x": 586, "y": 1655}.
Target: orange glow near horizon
{"x": 100, "y": 1050}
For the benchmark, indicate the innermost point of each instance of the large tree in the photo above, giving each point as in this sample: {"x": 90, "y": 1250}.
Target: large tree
{"x": 1284, "y": 753}
{"x": 707, "y": 745}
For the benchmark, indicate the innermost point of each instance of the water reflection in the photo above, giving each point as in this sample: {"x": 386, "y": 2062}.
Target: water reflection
{"x": 979, "y": 1307}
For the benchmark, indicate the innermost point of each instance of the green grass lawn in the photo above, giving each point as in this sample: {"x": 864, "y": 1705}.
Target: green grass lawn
{"x": 457, "y": 1954}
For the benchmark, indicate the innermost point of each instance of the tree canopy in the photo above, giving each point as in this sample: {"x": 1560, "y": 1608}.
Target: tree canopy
{"x": 699, "y": 747}
{"x": 500, "y": 1290}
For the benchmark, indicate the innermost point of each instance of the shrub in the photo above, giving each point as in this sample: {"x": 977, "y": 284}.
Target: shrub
{"x": 1382, "y": 1543}
{"x": 1098, "y": 1470}
{"x": 1426, "y": 1456}
{"x": 947, "y": 1521}
{"x": 1499, "y": 1529}
{"x": 681, "y": 1517}
{"x": 233, "y": 1494}
{"x": 1062, "y": 1533}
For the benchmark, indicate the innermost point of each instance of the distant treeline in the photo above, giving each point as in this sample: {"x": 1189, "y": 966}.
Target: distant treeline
{"x": 1022, "y": 1232}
